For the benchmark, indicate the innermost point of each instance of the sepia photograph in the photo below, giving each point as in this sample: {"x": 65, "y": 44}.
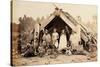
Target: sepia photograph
{"x": 44, "y": 33}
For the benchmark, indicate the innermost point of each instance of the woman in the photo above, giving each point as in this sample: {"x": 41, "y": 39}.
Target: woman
{"x": 63, "y": 40}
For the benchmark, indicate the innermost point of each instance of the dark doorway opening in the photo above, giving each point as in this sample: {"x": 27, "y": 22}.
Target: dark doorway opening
{"x": 59, "y": 24}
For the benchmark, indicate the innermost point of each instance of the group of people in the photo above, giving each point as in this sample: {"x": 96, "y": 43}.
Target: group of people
{"x": 53, "y": 39}
{"x": 45, "y": 43}
{"x": 54, "y": 43}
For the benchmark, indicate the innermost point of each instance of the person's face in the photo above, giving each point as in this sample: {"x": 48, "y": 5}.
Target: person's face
{"x": 66, "y": 27}
{"x": 54, "y": 30}
{"x": 63, "y": 31}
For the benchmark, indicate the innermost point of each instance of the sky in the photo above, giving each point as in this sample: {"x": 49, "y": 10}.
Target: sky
{"x": 39, "y": 9}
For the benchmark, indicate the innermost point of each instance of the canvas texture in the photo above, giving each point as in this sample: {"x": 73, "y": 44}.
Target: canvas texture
{"x": 52, "y": 33}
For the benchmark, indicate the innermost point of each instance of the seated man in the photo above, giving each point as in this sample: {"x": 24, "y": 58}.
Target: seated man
{"x": 29, "y": 51}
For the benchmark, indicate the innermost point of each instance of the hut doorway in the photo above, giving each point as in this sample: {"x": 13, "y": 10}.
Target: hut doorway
{"x": 59, "y": 24}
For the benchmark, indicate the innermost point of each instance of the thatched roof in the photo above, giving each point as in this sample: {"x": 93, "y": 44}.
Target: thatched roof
{"x": 68, "y": 20}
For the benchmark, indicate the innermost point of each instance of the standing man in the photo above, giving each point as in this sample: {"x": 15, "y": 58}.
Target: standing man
{"x": 55, "y": 37}
{"x": 35, "y": 44}
{"x": 46, "y": 38}
{"x": 73, "y": 40}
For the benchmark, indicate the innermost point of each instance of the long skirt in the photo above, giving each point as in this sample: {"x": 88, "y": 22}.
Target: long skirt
{"x": 63, "y": 42}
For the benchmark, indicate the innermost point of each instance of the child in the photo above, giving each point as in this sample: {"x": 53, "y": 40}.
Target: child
{"x": 68, "y": 50}
{"x": 41, "y": 50}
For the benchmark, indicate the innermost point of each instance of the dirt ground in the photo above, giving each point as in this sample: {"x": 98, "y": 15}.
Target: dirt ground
{"x": 17, "y": 60}
{"x": 60, "y": 59}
